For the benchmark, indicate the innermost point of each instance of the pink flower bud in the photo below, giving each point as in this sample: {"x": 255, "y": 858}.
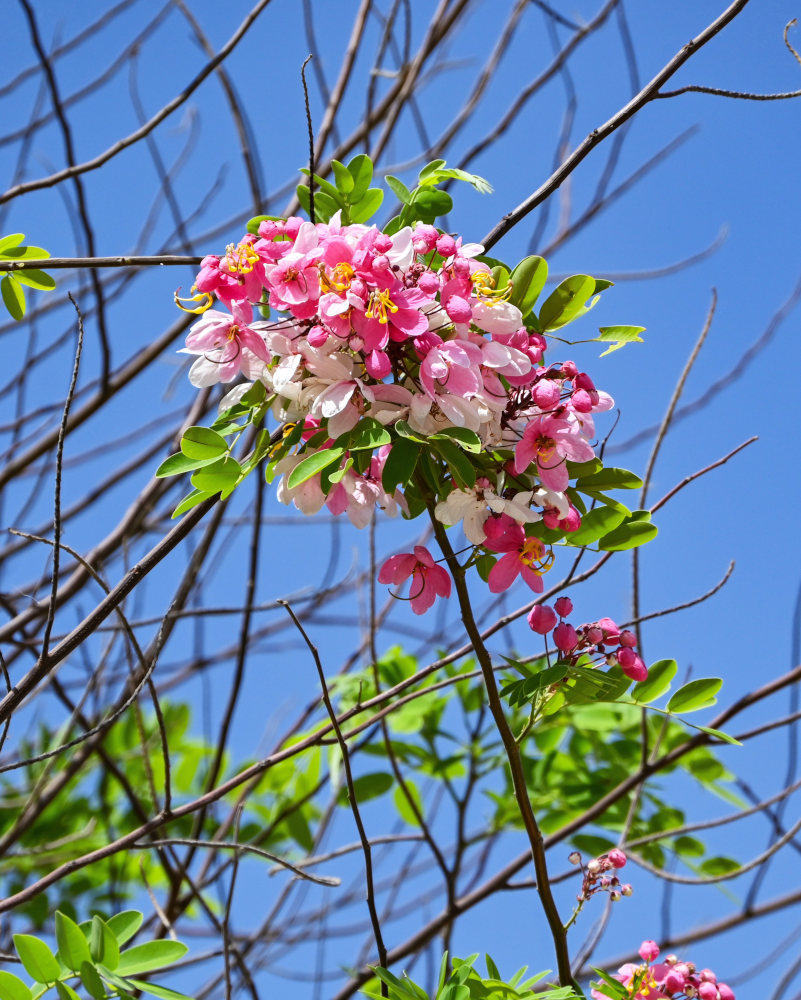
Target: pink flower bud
{"x": 541, "y": 618}
{"x": 615, "y": 896}
{"x": 381, "y": 262}
{"x": 583, "y": 381}
{"x": 580, "y": 401}
{"x": 648, "y": 951}
{"x": 707, "y": 976}
{"x": 674, "y": 983}
{"x": 564, "y": 637}
{"x": 428, "y": 283}
{"x": 594, "y": 866}
{"x": 569, "y": 369}
{"x": 631, "y": 665}
{"x": 419, "y": 246}
{"x": 458, "y": 309}
{"x": 725, "y": 992}
{"x": 617, "y": 857}
{"x": 574, "y": 858}
{"x": 563, "y": 606}
{"x": 446, "y": 245}
{"x": 611, "y": 631}
{"x": 382, "y": 243}
{"x": 628, "y": 639}
{"x": 546, "y": 394}
{"x": 708, "y": 991}
{"x": 461, "y": 268}
{"x": 627, "y": 889}
{"x": 594, "y": 635}
{"x": 317, "y": 336}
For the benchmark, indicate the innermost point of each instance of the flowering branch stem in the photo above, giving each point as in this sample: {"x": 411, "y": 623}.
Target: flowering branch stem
{"x": 54, "y": 263}
{"x": 513, "y": 756}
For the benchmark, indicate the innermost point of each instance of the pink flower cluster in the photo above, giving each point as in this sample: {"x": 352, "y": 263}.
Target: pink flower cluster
{"x": 602, "y": 639}
{"x": 670, "y": 979}
{"x": 402, "y": 327}
{"x": 599, "y": 875}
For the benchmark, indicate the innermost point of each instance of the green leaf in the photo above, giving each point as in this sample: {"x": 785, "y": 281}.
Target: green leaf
{"x": 430, "y": 203}
{"x": 567, "y": 302}
{"x": 149, "y": 956}
{"x": 719, "y": 734}
{"x": 39, "y": 961}
{"x": 368, "y": 434}
{"x": 219, "y": 477}
{"x": 619, "y": 336}
{"x": 528, "y": 280}
{"x": 189, "y": 501}
{"x": 35, "y": 278}
{"x": 719, "y": 866}
{"x": 92, "y": 982}
{"x": 597, "y": 522}
{"x": 660, "y": 674}
{"x": 254, "y": 223}
{"x": 368, "y": 786}
{"x": 367, "y": 206}
{"x": 102, "y": 944}
{"x": 629, "y": 535}
{"x": 178, "y": 464}
{"x": 162, "y": 992}
{"x": 698, "y": 694}
{"x": 689, "y": 847}
{"x": 13, "y": 297}
{"x": 427, "y": 171}
{"x": 400, "y": 464}
{"x": 11, "y": 987}
{"x": 343, "y": 177}
{"x": 459, "y": 464}
{"x": 12, "y": 240}
{"x": 313, "y": 464}
{"x": 609, "y": 986}
{"x": 28, "y": 253}
{"x": 202, "y": 442}
{"x": 125, "y": 924}
{"x": 66, "y": 992}
{"x": 402, "y": 428}
{"x": 610, "y": 478}
{"x": 402, "y": 803}
{"x": 72, "y": 947}
{"x": 361, "y": 170}
{"x": 463, "y": 436}
{"x": 399, "y": 189}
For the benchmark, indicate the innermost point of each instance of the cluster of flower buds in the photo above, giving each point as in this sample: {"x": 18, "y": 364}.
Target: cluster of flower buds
{"x": 671, "y": 978}
{"x": 599, "y": 875}
{"x": 602, "y": 641}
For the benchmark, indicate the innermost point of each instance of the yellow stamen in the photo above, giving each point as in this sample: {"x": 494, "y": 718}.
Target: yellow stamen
{"x": 377, "y": 306}
{"x": 533, "y": 555}
{"x": 340, "y": 279}
{"x": 485, "y": 290}
{"x": 240, "y": 258}
{"x": 205, "y": 298}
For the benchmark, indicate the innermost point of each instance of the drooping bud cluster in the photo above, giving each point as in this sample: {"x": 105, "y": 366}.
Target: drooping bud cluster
{"x": 599, "y": 875}
{"x": 601, "y": 641}
{"x": 668, "y": 980}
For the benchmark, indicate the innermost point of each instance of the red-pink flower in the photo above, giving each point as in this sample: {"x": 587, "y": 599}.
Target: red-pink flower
{"x": 429, "y": 581}
{"x": 526, "y": 556}
{"x": 549, "y": 442}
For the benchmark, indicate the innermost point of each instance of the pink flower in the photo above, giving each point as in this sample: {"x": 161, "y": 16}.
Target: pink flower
{"x": 565, "y": 637}
{"x": 563, "y": 606}
{"x": 648, "y": 951}
{"x": 549, "y": 442}
{"x": 524, "y": 556}
{"x": 223, "y": 342}
{"x": 429, "y": 581}
{"x": 617, "y": 858}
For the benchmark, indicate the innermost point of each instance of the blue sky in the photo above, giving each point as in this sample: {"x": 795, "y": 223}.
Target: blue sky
{"x": 735, "y": 177}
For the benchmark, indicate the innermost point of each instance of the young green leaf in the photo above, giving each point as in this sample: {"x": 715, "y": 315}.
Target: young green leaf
{"x": 219, "y": 477}
{"x": 361, "y": 170}
{"x": 92, "y": 982}
{"x": 629, "y": 535}
{"x": 399, "y": 189}
{"x": 695, "y": 695}
{"x": 367, "y": 206}
{"x": 13, "y": 297}
{"x": 38, "y": 960}
{"x": 567, "y": 302}
{"x": 102, "y": 944}
{"x": 599, "y": 521}
{"x": 619, "y": 336}
{"x": 528, "y": 280}
{"x": 202, "y": 442}
{"x": 11, "y": 987}
{"x": 149, "y": 956}
{"x": 313, "y": 464}
{"x": 72, "y": 947}
{"x": 402, "y": 803}
{"x": 430, "y": 203}
{"x": 12, "y": 240}
{"x": 367, "y": 786}
{"x": 162, "y": 992}
{"x": 343, "y": 177}
{"x": 609, "y": 478}
{"x": 660, "y": 674}
{"x": 463, "y": 436}
{"x": 178, "y": 464}
{"x": 459, "y": 464}
{"x": 35, "y": 278}
{"x": 125, "y": 924}
{"x": 189, "y": 501}
{"x": 368, "y": 434}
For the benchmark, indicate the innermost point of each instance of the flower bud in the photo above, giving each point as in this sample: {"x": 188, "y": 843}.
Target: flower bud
{"x": 725, "y": 992}
{"x": 382, "y": 243}
{"x": 546, "y": 394}
{"x": 564, "y": 637}
{"x": 627, "y": 889}
{"x": 674, "y": 983}
{"x": 580, "y": 401}
{"x": 648, "y": 951}
{"x": 569, "y": 369}
{"x": 428, "y": 282}
{"x": 628, "y": 638}
{"x": 708, "y": 976}
{"x": 446, "y": 245}
{"x": 563, "y": 606}
{"x": 542, "y": 619}
{"x": 617, "y": 857}
{"x": 583, "y": 381}
{"x": 594, "y": 866}
{"x": 458, "y": 309}
{"x": 574, "y": 858}
{"x": 615, "y": 896}
{"x": 594, "y": 635}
